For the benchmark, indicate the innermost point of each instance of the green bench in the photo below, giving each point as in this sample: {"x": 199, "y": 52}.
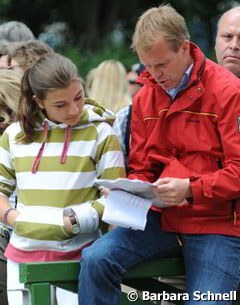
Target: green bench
{"x": 38, "y": 277}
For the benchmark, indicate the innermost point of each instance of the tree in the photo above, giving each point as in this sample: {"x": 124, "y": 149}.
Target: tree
{"x": 91, "y": 22}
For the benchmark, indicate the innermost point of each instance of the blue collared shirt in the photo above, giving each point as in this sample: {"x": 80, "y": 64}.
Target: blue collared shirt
{"x": 182, "y": 85}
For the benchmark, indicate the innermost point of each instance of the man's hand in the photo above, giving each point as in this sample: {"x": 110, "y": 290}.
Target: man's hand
{"x": 173, "y": 191}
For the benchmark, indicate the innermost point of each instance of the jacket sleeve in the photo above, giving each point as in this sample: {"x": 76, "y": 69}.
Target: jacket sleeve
{"x": 224, "y": 184}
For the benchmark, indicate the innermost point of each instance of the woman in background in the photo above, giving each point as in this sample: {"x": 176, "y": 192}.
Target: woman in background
{"x": 109, "y": 85}
{"x": 9, "y": 97}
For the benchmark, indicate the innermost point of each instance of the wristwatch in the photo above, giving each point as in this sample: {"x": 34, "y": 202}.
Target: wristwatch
{"x": 75, "y": 225}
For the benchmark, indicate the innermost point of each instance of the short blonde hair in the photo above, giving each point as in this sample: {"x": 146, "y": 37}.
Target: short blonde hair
{"x": 9, "y": 95}
{"x": 157, "y": 23}
{"x": 109, "y": 85}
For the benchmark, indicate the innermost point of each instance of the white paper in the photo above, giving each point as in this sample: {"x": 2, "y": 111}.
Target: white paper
{"x": 126, "y": 210}
{"x": 136, "y": 187}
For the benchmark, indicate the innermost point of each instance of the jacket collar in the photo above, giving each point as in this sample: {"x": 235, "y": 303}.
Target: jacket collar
{"x": 195, "y": 88}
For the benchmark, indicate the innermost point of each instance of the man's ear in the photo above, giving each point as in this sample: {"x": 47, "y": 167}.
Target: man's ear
{"x": 186, "y": 46}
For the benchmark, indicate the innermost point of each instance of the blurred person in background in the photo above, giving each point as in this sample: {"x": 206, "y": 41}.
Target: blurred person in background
{"x": 122, "y": 123}
{"x": 9, "y": 97}
{"x": 12, "y": 31}
{"x": 132, "y": 76}
{"x": 227, "y": 45}
{"x": 22, "y": 55}
{"x": 10, "y": 82}
{"x": 88, "y": 82}
{"x": 109, "y": 85}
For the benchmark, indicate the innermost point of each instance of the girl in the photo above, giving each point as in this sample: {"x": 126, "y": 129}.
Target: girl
{"x": 59, "y": 145}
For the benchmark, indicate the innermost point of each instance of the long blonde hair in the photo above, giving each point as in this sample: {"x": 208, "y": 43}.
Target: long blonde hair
{"x": 109, "y": 85}
{"x": 9, "y": 95}
{"x": 88, "y": 82}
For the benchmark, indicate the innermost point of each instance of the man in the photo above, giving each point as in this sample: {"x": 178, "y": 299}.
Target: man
{"x": 227, "y": 45}
{"x": 185, "y": 130}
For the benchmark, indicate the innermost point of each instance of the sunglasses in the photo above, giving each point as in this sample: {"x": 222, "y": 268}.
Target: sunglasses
{"x": 131, "y": 82}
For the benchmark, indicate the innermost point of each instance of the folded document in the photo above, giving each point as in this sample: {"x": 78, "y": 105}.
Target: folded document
{"x": 136, "y": 187}
{"x": 128, "y": 203}
{"x": 126, "y": 210}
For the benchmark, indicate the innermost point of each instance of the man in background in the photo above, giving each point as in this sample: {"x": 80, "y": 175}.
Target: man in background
{"x": 227, "y": 45}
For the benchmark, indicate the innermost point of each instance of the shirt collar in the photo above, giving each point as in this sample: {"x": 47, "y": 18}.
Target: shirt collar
{"x": 183, "y": 83}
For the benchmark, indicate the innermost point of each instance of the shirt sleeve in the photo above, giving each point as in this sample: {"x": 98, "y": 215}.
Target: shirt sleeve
{"x": 7, "y": 172}
{"x": 108, "y": 157}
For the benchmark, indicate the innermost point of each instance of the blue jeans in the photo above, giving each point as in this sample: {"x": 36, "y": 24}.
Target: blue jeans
{"x": 212, "y": 261}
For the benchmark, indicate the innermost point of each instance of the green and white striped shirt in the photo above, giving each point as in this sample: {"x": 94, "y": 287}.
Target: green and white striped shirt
{"x": 93, "y": 152}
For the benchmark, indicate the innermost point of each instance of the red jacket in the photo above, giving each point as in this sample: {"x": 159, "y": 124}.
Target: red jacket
{"x": 198, "y": 136}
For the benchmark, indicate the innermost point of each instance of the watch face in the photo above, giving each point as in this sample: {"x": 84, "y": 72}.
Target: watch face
{"x": 75, "y": 229}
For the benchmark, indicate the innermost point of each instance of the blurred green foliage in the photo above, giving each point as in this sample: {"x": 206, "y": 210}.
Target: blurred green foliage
{"x": 91, "y": 23}
{"x": 88, "y": 59}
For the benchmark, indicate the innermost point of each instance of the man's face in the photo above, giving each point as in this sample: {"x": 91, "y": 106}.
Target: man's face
{"x": 227, "y": 45}
{"x": 164, "y": 64}
{"x": 133, "y": 86}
